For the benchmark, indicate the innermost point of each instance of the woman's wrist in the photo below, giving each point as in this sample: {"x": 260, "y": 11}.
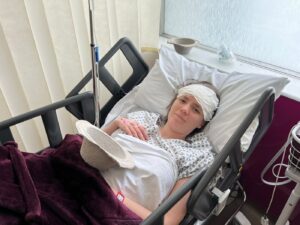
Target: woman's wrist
{"x": 119, "y": 122}
{"x": 112, "y": 127}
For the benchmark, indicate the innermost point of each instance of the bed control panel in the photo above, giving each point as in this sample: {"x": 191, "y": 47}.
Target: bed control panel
{"x": 222, "y": 199}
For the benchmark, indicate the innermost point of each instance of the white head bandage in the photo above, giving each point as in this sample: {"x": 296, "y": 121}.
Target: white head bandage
{"x": 205, "y": 96}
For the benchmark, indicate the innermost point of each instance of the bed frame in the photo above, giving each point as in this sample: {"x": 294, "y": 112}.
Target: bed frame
{"x": 203, "y": 203}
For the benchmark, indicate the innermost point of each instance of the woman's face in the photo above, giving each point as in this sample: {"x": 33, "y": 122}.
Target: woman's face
{"x": 185, "y": 115}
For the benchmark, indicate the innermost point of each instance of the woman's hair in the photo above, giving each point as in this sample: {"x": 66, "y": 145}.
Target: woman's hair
{"x": 204, "y": 83}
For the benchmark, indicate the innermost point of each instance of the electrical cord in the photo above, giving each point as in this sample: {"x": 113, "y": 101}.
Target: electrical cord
{"x": 282, "y": 150}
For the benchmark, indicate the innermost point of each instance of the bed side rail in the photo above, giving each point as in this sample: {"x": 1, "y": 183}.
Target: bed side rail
{"x": 139, "y": 71}
{"x": 265, "y": 119}
{"x": 264, "y": 107}
{"x": 49, "y": 119}
{"x": 81, "y": 105}
{"x": 201, "y": 202}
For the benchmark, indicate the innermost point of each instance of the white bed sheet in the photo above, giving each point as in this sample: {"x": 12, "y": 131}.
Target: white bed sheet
{"x": 152, "y": 178}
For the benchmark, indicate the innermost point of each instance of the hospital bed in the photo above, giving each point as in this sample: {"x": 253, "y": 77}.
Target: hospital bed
{"x": 210, "y": 188}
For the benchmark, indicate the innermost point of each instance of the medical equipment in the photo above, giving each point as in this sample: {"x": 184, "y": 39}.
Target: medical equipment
{"x": 204, "y": 199}
{"x": 293, "y": 173}
{"x": 95, "y": 61}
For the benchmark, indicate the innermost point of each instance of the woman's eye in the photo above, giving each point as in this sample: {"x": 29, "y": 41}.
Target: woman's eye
{"x": 182, "y": 100}
{"x": 195, "y": 110}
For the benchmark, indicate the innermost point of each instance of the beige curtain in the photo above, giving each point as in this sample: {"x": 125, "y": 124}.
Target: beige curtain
{"x": 45, "y": 51}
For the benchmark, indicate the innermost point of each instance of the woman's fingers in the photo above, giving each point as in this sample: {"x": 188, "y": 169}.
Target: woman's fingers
{"x": 134, "y": 129}
{"x": 126, "y": 127}
{"x": 140, "y": 131}
{"x": 143, "y": 132}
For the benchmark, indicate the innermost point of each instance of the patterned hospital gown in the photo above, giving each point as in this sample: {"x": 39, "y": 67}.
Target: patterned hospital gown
{"x": 190, "y": 155}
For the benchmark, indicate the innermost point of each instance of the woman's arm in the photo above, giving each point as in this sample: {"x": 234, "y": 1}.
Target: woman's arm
{"x": 175, "y": 214}
{"x": 130, "y": 127}
{"x": 135, "y": 207}
{"x": 178, "y": 211}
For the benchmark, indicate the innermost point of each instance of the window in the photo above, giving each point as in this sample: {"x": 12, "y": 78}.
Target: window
{"x": 267, "y": 31}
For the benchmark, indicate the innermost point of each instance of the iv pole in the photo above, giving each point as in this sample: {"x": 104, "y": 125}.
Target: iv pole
{"x": 293, "y": 199}
{"x": 95, "y": 60}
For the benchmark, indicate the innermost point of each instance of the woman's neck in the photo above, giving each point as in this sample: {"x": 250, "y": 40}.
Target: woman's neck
{"x": 167, "y": 133}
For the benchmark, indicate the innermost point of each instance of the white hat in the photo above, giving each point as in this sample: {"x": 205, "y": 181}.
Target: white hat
{"x": 100, "y": 150}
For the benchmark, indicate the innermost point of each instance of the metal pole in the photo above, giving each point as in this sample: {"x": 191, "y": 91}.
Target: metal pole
{"x": 289, "y": 206}
{"x": 291, "y": 203}
{"x": 94, "y": 52}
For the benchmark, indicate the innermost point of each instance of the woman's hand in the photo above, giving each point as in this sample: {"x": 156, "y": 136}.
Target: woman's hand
{"x": 132, "y": 128}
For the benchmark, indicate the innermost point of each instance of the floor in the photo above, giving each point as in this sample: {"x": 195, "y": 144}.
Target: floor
{"x": 253, "y": 215}
{"x": 249, "y": 214}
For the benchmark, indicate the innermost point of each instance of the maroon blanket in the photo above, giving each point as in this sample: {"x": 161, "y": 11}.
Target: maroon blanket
{"x": 56, "y": 187}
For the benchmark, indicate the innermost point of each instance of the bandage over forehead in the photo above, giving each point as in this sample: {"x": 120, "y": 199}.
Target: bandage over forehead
{"x": 205, "y": 96}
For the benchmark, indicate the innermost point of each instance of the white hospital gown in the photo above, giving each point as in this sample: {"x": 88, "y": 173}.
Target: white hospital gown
{"x": 190, "y": 155}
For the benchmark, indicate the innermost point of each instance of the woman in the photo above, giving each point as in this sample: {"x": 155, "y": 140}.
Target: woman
{"x": 194, "y": 105}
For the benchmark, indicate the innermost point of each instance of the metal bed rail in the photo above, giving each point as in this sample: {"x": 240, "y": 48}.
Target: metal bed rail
{"x": 202, "y": 202}
{"x": 81, "y": 104}
{"x": 49, "y": 118}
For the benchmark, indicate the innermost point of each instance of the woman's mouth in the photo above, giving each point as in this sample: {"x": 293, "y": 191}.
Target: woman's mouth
{"x": 180, "y": 117}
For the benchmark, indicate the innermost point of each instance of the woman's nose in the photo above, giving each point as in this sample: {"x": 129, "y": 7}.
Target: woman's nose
{"x": 185, "y": 109}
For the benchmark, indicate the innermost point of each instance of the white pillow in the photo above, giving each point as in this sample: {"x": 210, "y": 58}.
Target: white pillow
{"x": 238, "y": 93}
{"x": 168, "y": 73}
{"x": 156, "y": 90}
